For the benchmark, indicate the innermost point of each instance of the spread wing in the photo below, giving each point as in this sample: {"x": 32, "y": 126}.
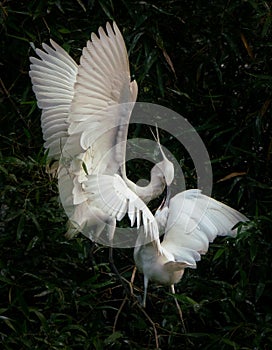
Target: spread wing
{"x": 103, "y": 99}
{"x": 53, "y": 77}
{"x": 83, "y": 101}
{"x": 85, "y": 118}
{"x": 111, "y": 194}
{"x": 107, "y": 198}
{"x": 194, "y": 221}
{"x": 100, "y": 112}
{"x": 90, "y": 189}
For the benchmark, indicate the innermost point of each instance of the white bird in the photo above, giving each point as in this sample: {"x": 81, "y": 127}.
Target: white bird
{"x": 86, "y": 110}
{"x": 190, "y": 222}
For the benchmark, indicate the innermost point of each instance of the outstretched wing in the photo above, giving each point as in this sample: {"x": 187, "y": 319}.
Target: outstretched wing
{"x": 99, "y": 116}
{"x": 53, "y": 77}
{"x": 111, "y": 194}
{"x": 103, "y": 100}
{"x": 194, "y": 220}
{"x": 107, "y": 198}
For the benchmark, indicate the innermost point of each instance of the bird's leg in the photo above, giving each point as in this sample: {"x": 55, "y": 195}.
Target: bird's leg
{"x": 111, "y": 225}
{"x": 145, "y": 290}
{"x": 178, "y": 307}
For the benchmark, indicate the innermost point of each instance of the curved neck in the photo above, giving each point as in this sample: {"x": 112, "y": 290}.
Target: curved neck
{"x": 152, "y": 190}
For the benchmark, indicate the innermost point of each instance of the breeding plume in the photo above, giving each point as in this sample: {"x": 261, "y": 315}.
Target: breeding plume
{"x": 86, "y": 110}
{"x": 189, "y": 223}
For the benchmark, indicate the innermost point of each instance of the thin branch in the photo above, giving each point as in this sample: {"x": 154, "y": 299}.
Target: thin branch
{"x": 6, "y": 92}
{"x": 179, "y": 308}
{"x": 153, "y": 324}
{"x": 118, "y": 314}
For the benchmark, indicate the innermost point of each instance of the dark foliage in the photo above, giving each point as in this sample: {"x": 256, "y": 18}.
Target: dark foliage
{"x": 211, "y": 62}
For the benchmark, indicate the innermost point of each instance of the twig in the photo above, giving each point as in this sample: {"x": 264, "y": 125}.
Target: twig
{"x": 151, "y": 322}
{"x": 139, "y": 306}
{"x": 118, "y": 314}
{"x": 6, "y": 91}
{"x": 179, "y": 308}
{"x": 132, "y": 279}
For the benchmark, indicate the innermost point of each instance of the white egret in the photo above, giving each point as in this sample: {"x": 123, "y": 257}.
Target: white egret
{"x": 189, "y": 223}
{"x": 86, "y": 110}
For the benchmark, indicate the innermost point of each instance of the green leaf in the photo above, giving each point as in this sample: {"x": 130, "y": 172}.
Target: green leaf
{"x": 20, "y": 227}
{"x": 32, "y": 243}
{"x": 259, "y": 290}
{"x": 219, "y": 253}
{"x": 8, "y": 322}
{"x": 113, "y": 338}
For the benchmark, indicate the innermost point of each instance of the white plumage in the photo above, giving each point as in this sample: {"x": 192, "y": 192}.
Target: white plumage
{"x": 86, "y": 110}
{"x": 190, "y": 222}
{"x": 53, "y": 77}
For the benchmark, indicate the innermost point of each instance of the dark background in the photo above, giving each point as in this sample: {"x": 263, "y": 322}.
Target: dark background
{"x": 211, "y": 62}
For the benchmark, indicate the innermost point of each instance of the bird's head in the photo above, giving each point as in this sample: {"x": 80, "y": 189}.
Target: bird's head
{"x": 167, "y": 170}
{"x": 164, "y": 168}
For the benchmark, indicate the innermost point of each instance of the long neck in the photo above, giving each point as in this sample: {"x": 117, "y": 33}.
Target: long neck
{"x": 152, "y": 190}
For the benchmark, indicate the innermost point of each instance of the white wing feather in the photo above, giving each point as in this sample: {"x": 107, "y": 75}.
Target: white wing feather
{"x": 98, "y": 121}
{"x": 86, "y": 109}
{"x": 103, "y": 99}
{"x": 53, "y": 77}
{"x": 194, "y": 221}
{"x": 111, "y": 194}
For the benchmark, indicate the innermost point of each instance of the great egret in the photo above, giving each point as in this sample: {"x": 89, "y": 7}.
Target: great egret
{"x": 189, "y": 223}
{"x": 86, "y": 110}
